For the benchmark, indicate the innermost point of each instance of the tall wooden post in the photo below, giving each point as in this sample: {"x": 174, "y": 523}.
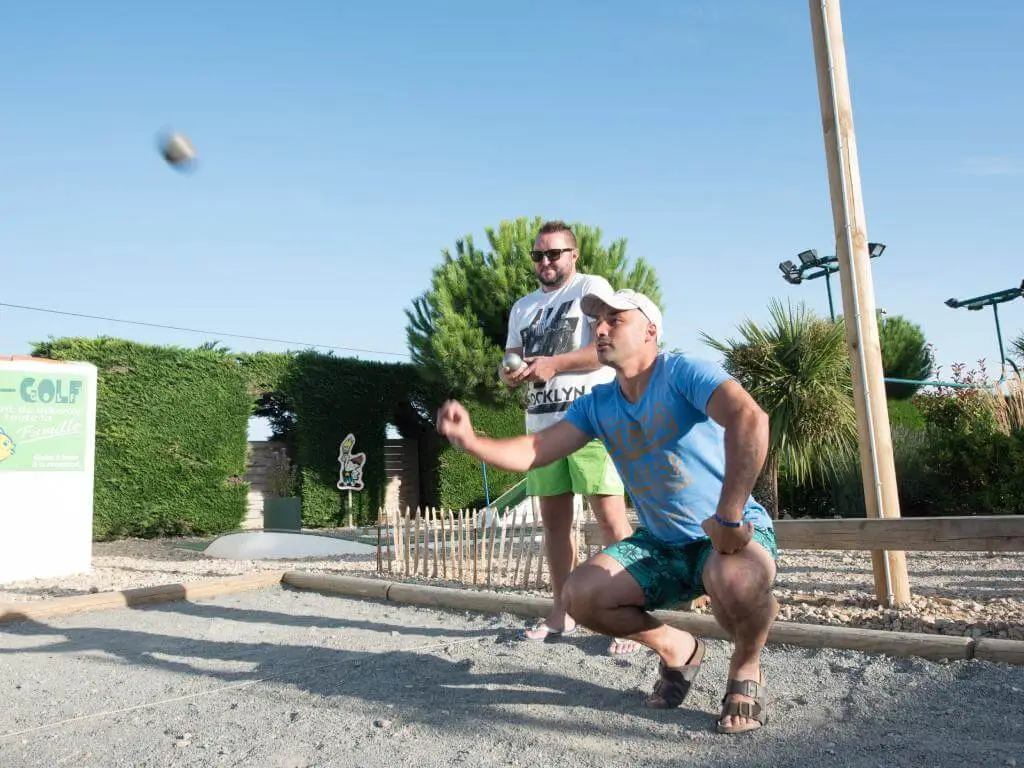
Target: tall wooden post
{"x": 877, "y": 466}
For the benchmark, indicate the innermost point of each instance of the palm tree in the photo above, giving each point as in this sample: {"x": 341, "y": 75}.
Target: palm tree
{"x": 1017, "y": 348}
{"x": 798, "y": 370}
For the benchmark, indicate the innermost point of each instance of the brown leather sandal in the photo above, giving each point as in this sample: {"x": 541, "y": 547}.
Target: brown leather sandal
{"x": 674, "y": 683}
{"x": 752, "y": 710}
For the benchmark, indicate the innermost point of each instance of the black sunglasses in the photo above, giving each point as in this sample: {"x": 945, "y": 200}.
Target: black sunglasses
{"x": 552, "y": 255}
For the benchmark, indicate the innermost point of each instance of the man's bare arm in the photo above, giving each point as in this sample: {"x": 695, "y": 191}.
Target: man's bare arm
{"x": 526, "y": 452}
{"x": 746, "y": 445}
{"x": 578, "y": 361}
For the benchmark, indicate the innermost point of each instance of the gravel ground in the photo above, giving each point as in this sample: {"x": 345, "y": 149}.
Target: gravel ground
{"x": 954, "y": 593}
{"x": 293, "y": 679}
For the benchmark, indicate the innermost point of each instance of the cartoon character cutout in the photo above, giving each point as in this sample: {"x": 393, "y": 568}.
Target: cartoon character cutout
{"x": 6, "y": 445}
{"x": 351, "y": 465}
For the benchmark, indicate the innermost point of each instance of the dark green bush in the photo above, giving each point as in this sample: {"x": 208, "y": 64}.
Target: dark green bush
{"x": 976, "y": 473}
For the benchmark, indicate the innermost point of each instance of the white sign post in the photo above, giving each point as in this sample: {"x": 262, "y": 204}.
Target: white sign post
{"x": 351, "y": 478}
{"x": 47, "y": 458}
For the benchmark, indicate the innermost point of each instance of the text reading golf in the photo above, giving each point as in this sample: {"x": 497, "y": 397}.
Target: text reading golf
{"x": 42, "y": 422}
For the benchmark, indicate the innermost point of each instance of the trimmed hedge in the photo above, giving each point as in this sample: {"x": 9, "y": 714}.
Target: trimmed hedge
{"x": 170, "y": 437}
{"x": 172, "y": 428}
{"x": 460, "y": 477}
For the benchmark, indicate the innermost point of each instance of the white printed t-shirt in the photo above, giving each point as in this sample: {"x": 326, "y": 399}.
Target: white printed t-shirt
{"x": 552, "y": 323}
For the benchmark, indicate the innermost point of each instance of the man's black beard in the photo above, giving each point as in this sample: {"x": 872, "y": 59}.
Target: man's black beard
{"x": 557, "y": 283}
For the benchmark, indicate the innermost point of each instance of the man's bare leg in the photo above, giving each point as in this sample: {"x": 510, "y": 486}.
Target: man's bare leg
{"x": 742, "y": 602}
{"x": 604, "y": 597}
{"x": 610, "y": 513}
{"x": 556, "y": 514}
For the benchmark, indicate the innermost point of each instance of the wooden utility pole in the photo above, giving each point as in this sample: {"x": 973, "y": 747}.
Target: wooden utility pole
{"x": 877, "y": 467}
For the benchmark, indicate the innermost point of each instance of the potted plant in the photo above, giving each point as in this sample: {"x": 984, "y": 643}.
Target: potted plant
{"x": 282, "y": 507}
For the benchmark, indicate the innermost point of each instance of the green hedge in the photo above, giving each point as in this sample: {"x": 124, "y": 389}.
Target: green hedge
{"x": 331, "y": 397}
{"x": 170, "y": 437}
{"x": 172, "y": 429}
{"x": 460, "y": 477}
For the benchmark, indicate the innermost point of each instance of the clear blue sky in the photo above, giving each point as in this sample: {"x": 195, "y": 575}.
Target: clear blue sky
{"x": 343, "y": 145}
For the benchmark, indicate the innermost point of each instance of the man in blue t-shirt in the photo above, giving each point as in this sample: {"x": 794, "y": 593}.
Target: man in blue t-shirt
{"x": 689, "y": 443}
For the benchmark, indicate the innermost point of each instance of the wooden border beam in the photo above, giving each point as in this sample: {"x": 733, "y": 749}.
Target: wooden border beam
{"x": 903, "y": 644}
{"x": 1003, "y": 533}
{"x": 163, "y": 593}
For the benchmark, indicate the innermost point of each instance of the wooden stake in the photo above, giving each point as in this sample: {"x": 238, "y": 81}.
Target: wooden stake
{"x": 490, "y": 544}
{"x": 416, "y": 544}
{"x": 451, "y": 535}
{"x": 533, "y": 536}
{"x": 444, "y": 546}
{"x": 876, "y": 454}
{"x": 398, "y": 539}
{"x": 462, "y": 544}
{"x": 389, "y": 531}
{"x": 502, "y": 562}
{"x": 433, "y": 528}
{"x": 407, "y": 527}
{"x": 540, "y": 557}
{"x": 475, "y": 544}
{"x": 519, "y": 555}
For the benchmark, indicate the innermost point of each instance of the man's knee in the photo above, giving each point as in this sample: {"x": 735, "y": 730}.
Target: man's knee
{"x": 583, "y": 591}
{"x": 740, "y": 579}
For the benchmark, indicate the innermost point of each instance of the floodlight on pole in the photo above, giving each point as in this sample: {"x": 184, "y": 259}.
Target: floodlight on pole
{"x": 826, "y": 266}
{"x": 993, "y": 300}
{"x": 808, "y": 258}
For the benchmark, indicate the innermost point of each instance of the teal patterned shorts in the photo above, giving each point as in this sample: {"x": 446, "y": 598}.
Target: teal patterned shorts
{"x": 672, "y": 573}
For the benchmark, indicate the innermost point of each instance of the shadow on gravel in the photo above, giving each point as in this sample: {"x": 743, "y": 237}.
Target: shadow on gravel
{"x": 430, "y": 683}
{"x": 248, "y": 615}
{"x": 828, "y": 707}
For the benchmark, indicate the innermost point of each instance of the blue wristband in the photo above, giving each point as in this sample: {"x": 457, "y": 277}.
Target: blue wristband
{"x": 726, "y": 523}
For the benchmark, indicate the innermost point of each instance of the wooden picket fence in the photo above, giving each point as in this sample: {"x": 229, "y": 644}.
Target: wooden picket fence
{"x": 468, "y": 546}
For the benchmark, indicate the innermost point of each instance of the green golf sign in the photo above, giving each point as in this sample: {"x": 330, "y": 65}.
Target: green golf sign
{"x": 42, "y": 422}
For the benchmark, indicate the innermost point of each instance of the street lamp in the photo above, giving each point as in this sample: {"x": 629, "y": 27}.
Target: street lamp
{"x": 993, "y": 300}
{"x": 826, "y": 266}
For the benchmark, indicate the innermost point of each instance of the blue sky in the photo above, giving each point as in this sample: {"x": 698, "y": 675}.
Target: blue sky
{"x": 343, "y": 145}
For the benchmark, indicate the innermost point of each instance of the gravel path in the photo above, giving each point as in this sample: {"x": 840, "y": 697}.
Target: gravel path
{"x": 295, "y": 679}
{"x": 954, "y": 593}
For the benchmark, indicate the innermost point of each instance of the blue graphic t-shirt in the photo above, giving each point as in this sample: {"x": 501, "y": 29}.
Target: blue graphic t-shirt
{"x": 669, "y": 452}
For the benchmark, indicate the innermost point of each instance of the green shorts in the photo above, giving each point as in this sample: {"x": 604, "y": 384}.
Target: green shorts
{"x": 672, "y": 573}
{"x": 588, "y": 472}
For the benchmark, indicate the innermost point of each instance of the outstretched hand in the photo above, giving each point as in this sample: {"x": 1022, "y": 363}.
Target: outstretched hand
{"x": 728, "y": 540}
{"x": 454, "y": 424}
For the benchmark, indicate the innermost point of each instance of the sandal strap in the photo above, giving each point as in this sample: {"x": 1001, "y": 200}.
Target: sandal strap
{"x": 751, "y": 710}
{"x": 749, "y": 688}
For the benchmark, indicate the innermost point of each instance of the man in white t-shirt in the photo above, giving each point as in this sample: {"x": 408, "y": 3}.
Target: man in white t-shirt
{"x": 553, "y": 336}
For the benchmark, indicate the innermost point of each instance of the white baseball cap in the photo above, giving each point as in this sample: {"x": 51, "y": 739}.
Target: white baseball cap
{"x": 623, "y": 299}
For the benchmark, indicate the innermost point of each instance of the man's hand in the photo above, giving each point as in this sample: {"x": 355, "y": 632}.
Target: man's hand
{"x": 453, "y": 423}
{"x": 539, "y": 369}
{"x": 510, "y": 378}
{"x": 728, "y": 540}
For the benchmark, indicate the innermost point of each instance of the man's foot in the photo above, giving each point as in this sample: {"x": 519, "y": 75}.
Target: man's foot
{"x": 621, "y": 646}
{"x": 675, "y": 679}
{"x": 543, "y": 631}
{"x": 745, "y": 705}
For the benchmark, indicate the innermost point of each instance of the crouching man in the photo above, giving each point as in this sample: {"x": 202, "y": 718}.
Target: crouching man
{"x": 689, "y": 443}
